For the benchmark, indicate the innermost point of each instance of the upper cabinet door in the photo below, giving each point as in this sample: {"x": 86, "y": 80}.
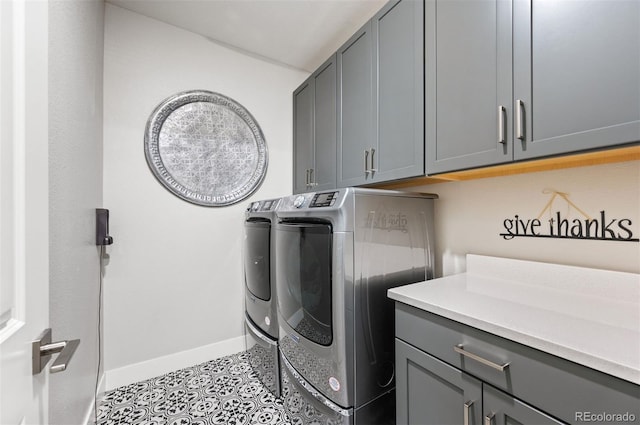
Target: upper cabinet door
{"x": 302, "y": 136}
{"x": 314, "y": 130}
{"x": 468, "y": 79}
{"x": 323, "y": 174}
{"x": 576, "y": 75}
{"x": 355, "y": 101}
{"x": 399, "y": 96}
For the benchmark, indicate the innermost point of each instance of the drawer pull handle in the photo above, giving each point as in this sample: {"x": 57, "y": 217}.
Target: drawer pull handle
{"x": 488, "y": 420}
{"x": 460, "y": 349}
{"x": 466, "y": 412}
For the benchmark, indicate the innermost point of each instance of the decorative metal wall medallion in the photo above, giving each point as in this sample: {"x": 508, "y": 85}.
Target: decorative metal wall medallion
{"x": 205, "y": 148}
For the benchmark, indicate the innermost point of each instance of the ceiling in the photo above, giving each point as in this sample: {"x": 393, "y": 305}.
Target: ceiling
{"x": 297, "y": 33}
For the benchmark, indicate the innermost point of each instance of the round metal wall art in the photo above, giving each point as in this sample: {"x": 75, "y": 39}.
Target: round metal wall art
{"x": 205, "y": 148}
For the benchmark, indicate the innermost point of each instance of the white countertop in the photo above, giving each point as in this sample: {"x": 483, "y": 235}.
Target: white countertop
{"x": 588, "y": 316}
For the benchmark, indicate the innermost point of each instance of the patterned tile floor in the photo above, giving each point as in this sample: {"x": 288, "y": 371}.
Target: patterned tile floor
{"x": 221, "y": 391}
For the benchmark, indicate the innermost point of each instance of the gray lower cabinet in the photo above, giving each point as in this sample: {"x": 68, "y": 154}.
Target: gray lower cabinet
{"x": 511, "y": 80}
{"x": 451, "y": 373}
{"x": 380, "y": 77}
{"x": 429, "y": 391}
{"x": 502, "y": 409}
{"x": 315, "y": 131}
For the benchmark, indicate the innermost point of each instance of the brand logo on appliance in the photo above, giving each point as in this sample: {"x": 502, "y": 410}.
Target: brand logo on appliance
{"x": 394, "y": 221}
{"x": 561, "y": 226}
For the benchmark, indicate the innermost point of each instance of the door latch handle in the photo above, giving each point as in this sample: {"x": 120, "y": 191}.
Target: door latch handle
{"x": 42, "y": 348}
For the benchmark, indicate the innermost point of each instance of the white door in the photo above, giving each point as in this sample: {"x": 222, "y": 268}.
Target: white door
{"x": 24, "y": 230}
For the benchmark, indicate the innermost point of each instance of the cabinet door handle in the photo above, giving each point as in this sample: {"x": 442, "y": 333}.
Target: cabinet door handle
{"x": 372, "y": 169}
{"x": 501, "y": 121}
{"x": 366, "y": 162}
{"x": 467, "y": 411}
{"x": 520, "y": 119}
{"x": 312, "y": 179}
{"x": 460, "y": 349}
{"x": 488, "y": 420}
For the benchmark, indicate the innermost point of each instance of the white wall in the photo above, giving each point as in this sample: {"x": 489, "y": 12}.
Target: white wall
{"x": 174, "y": 278}
{"x": 75, "y": 190}
{"x": 470, "y": 214}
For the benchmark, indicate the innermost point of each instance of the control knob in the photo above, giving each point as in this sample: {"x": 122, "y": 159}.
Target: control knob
{"x": 298, "y": 202}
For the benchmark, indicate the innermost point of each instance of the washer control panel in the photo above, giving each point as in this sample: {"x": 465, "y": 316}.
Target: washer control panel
{"x": 325, "y": 199}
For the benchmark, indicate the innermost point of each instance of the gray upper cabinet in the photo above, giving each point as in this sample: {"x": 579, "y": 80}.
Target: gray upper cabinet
{"x": 399, "y": 96}
{"x": 576, "y": 75}
{"x": 302, "y": 136}
{"x": 517, "y": 79}
{"x": 314, "y": 129}
{"x": 468, "y": 83}
{"x": 380, "y": 78}
{"x": 355, "y": 97}
{"x": 323, "y": 175}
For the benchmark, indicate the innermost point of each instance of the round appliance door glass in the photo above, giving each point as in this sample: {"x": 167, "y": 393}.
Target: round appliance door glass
{"x": 257, "y": 267}
{"x": 303, "y": 278}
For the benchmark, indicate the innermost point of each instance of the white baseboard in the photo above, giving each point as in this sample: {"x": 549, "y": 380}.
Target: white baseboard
{"x": 159, "y": 366}
{"x": 89, "y": 417}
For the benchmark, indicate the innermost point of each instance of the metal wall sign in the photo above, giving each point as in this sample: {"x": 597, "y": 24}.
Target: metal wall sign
{"x": 205, "y": 148}
{"x": 552, "y": 223}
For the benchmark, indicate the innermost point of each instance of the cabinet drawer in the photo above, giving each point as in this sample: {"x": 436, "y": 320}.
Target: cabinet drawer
{"x": 558, "y": 386}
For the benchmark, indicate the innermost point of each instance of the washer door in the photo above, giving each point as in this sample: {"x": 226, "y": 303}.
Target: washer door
{"x": 257, "y": 269}
{"x": 303, "y": 278}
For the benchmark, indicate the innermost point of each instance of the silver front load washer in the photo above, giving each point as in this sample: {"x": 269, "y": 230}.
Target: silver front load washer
{"x": 261, "y": 320}
{"x": 337, "y": 254}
